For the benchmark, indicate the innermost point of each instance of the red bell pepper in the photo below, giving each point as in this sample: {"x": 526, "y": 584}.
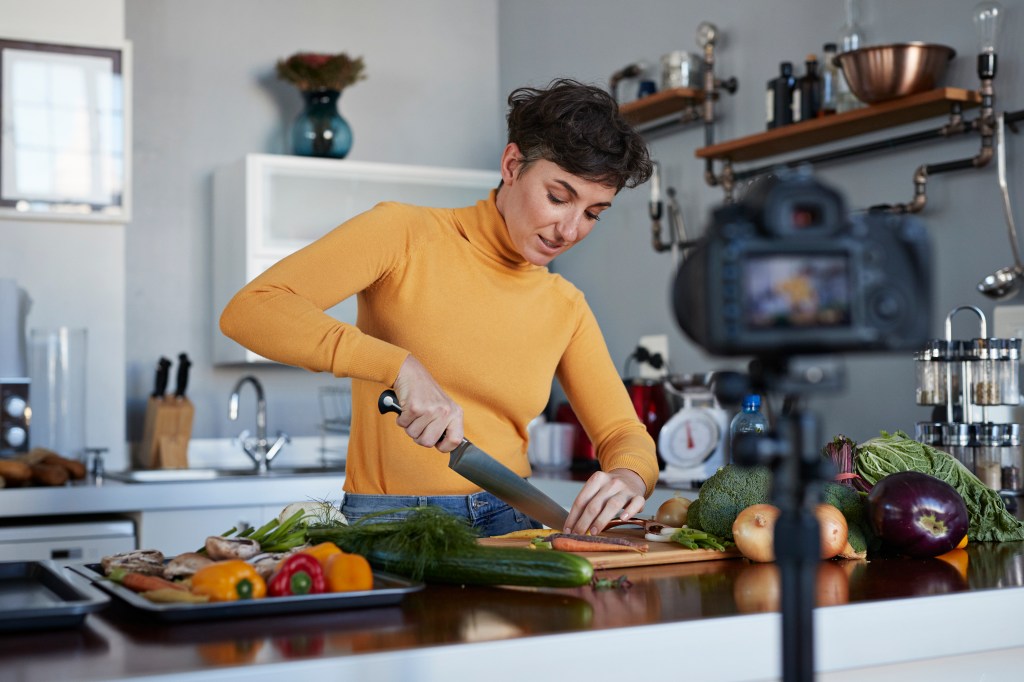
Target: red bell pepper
{"x": 298, "y": 574}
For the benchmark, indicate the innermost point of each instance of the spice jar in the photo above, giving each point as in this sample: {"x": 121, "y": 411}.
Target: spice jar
{"x": 934, "y": 365}
{"x": 929, "y": 433}
{"x": 1008, "y": 371}
{"x": 984, "y": 360}
{"x": 988, "y": 463}
{"x": 1012, "y": 458}
{"x": 956, "y": 440}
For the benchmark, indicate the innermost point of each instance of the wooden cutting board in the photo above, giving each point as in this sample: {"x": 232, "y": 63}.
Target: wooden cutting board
{"x": 657, "y": 552}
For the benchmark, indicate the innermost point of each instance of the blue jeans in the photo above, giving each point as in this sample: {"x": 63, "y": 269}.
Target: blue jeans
{"x": 485, "y": 512}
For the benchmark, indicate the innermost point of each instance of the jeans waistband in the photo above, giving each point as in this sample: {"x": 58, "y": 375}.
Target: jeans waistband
{"x": 472, "y": 507}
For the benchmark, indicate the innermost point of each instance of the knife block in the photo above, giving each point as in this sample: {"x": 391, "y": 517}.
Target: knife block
{"x": 166, "y": 434}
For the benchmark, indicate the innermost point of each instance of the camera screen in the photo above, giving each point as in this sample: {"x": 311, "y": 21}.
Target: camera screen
{"x": 796, "y": 291}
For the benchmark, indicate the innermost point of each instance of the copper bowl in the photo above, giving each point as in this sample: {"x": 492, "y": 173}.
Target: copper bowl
{"x": 882, "y": 72}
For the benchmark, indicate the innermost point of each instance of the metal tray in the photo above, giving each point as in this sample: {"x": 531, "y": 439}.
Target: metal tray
{"x": 387, "y": 589}
{"x": 36, "y": 595}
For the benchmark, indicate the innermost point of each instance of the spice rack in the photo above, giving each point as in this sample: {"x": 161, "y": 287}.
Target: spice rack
{"x": 973, "y": 375}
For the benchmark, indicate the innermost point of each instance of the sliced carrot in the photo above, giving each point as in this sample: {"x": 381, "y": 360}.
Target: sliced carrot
{"x": 140, "y": 582}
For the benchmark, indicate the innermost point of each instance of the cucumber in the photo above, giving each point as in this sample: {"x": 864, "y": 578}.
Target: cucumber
{"x": 493, "y": 566}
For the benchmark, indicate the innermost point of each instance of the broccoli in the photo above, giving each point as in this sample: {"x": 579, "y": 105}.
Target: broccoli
{"x": 722, "y": 497}
{"x": 732, "y": 489}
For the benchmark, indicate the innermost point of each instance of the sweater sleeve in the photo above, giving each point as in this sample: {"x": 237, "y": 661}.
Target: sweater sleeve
{"x": 599, "y": 398}
{"x": 280, "y": 314}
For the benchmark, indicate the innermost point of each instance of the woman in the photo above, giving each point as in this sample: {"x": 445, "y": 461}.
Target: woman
{"x": 458, "y": 312}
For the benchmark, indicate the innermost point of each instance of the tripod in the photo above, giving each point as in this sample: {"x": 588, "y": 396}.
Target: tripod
{"x": 793, "y": 452}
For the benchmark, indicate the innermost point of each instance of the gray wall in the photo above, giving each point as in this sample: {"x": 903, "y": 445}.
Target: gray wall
{"x": 627, "y": 283}
{"x": 206, "y": 95}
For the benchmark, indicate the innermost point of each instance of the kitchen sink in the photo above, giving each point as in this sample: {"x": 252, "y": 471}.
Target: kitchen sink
{"x": 192, "y": 475}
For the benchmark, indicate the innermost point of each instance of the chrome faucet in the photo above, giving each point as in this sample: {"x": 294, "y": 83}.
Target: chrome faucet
{"x": 259, "y": 449}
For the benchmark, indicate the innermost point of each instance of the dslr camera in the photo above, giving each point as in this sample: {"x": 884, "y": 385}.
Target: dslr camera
{"x": 786, "y": 271}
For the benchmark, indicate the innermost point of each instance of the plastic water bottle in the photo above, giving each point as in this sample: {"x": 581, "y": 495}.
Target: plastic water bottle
{"x": 748, "y": 420}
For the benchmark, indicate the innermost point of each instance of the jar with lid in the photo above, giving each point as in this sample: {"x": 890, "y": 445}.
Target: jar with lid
{"x": 1008, "y": 371}
{"x": 988, "y": 462}
{"x": 956, "y": 439}
{"x": 984, "y": 360}
{"x": 1011, "y": 458}
{"x": 935, "y": 364}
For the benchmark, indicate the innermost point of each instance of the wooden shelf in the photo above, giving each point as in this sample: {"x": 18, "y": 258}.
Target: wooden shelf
{"x": 839, "y": 126}
{"x": 660, "y": 104}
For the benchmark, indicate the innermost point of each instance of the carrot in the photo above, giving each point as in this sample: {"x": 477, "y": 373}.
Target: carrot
{"x": 568, "y": 542}
{"x": 140, "y": 582}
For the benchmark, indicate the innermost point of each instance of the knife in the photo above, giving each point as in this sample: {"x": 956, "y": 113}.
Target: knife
{"x": 478, "y": 467}
{"x": 163, "y": 368}
{"x": 182, "y": 379}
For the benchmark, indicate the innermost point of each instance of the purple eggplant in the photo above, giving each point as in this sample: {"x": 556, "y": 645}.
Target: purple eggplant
{"x": 917, "y": 515}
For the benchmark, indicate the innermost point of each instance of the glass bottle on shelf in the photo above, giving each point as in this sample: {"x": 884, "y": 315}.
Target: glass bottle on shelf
{"x": 807, "y": 93}
{"x": 829, "y": 77}
{"x": 779, "y": 97}
{"x": 851, "y": 37}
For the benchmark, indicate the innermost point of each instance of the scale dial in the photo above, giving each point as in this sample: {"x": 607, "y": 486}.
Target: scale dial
{"x": 689, "y": 438}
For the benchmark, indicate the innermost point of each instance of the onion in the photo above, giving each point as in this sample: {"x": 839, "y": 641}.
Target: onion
{"x": 672, "y": 511}
{"x": 753, "y": 532}
{"x": 917, "y": 515}
{"x": 834, "y": 530}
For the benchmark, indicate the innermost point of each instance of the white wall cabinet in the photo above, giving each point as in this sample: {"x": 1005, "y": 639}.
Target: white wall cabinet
{"x": 268, "y": 206}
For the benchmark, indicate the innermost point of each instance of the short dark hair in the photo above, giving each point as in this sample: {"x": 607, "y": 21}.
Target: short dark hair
{"x": 579, "y": 128}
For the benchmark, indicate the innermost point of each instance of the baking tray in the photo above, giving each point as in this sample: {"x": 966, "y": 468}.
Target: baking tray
{"x": 37, "y": 595}
{"x": 387, "y": 589}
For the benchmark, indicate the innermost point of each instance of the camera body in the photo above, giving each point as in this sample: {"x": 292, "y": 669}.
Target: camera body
{"x": 786, "y": 271}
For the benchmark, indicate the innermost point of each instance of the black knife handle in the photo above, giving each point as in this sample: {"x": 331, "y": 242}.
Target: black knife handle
{"x": 163, "y": 368}
{"x": 388, "y": 402}
{"x": 182, "y": 379}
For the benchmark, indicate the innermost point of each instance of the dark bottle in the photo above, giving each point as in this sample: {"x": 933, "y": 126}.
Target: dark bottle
{"x": 807, "y": 93}
{"x": 778, "y": 97}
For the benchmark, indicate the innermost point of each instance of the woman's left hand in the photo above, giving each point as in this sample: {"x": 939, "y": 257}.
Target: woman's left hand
{"x": 602, "y": 499}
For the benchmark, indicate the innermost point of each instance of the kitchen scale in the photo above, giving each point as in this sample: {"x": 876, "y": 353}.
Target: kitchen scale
{"x": 692, "y": 441}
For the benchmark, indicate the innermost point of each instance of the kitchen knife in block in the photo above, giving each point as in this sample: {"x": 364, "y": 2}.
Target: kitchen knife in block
{"x": 166, "y": 434}
{"x": 477, "y": 466}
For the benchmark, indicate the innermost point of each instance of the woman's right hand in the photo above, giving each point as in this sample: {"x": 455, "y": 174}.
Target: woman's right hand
{"x": 429, "y": 416}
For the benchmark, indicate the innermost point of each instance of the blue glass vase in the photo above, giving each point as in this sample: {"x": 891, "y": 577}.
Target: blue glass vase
{"x": 319, "y": 129}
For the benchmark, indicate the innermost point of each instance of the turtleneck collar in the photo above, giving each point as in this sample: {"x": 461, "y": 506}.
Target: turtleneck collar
{"x": 484, "y": 227}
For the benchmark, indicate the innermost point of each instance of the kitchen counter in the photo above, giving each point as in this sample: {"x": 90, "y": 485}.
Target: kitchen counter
{"x": 891, "y": 619}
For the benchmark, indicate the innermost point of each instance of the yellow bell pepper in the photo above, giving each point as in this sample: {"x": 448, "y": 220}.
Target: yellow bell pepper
{"x": 229, "y": 581}
{"x": 322, "y": 552}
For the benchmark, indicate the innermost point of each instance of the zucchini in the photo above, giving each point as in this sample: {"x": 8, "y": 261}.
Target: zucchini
{"x": 492, "y": 566}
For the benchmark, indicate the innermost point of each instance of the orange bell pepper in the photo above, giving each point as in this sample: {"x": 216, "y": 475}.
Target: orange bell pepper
{"x": 348, "y": 572}
{"x": 229, "y": 581}
{"x": 322, "y": 552}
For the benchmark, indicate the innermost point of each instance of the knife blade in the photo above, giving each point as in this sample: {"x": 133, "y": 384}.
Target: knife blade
{"x": 163, "y": 368}
{"x": 478, "y": 467}
{"x": 181, "y": 382}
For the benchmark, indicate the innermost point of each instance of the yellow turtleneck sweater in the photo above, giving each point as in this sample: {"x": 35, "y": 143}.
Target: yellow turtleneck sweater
{"x": 448, "y": 286}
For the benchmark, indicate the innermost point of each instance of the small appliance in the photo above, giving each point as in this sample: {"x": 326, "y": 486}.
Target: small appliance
{"x": 15, "y": 415}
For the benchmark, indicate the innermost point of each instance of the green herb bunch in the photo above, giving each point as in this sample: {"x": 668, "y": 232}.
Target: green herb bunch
{"x": 314, "y": 71}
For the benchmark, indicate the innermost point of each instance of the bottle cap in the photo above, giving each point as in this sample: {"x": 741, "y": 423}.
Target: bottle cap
{"x": 752, "y": 401}
{"x": 829, "y": 47}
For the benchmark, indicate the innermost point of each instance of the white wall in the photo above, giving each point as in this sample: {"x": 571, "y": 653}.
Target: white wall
{"x": 75, "y": 273}
{"x": 627, "y": 283}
